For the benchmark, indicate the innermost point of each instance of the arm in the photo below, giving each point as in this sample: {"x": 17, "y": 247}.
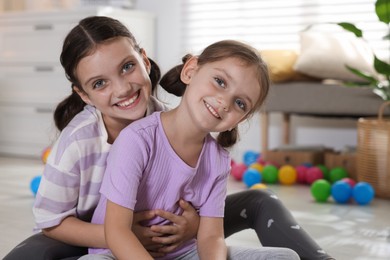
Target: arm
{"x": 120, "y": 238}
{"x": 76, "y": 232}
{"x": 211, "y": 241}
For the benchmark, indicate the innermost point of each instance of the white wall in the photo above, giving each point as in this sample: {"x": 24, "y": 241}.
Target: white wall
{"x": 335, "y": 133}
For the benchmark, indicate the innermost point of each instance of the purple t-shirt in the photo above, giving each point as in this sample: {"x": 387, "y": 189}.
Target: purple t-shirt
{"x": 144, "y": 172}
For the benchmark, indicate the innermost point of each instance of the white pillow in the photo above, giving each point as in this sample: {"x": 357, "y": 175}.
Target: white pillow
{"x": 326, "y": 49}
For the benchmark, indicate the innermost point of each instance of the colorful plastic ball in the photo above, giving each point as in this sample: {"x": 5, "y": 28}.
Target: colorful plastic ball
{"x": 337, "y": 174}
{"x": 250, "y": 157}
{"x": 341, "y": 192}
{"x": 307, "y": 164}
{"x": 363, "y": 193}
{"x": 258, "y": 186}
{"x": 257, "y": 166}
{"x": 301, "y": 173}
{"x": 34, "y": 184}
{"x": 325, "y": 171}
{"x": 312, "y": 174}
{"x": 238, "y": 170}
{"x": 45, "y": 154}
{"x": 270, "y": 174}
{"x": 232, "y": 162}
{"x": 287, "y": 175}
{"x": 349, "y": 181}
{"x": 320, "y": 190}
{"x": 251, "y": 176}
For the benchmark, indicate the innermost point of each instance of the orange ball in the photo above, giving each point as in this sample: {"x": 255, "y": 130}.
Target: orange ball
{"x": 45, "y": 154}
{"x": 257, "y": 166}
{"x": 287, "y": 175}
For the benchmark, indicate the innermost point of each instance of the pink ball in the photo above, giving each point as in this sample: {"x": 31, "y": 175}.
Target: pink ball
{"x": 301, "y": 173}
{"x": 313, "y": 173}
{"x": 350, "y": 181}
{"x": 238, "y": 170}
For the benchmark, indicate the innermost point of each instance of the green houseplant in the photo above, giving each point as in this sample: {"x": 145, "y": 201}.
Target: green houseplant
{"x": 381, "y": 83}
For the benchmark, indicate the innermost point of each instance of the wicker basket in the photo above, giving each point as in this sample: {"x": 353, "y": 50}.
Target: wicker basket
{"x": 373, "y": 152}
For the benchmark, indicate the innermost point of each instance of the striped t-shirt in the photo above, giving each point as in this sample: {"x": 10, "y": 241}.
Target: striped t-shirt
{"x": 74, "y": 170}
{"x": 144, "y": 172}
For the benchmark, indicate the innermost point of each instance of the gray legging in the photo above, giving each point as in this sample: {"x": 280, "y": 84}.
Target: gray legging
{"x": 234, "y": 253}
{"x": 260, "y": 206}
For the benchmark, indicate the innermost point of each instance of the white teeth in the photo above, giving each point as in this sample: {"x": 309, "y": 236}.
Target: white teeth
{"x": 212, "y": 110}
{"x": 128, "y": 102}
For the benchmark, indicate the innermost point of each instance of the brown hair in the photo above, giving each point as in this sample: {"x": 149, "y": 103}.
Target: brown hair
{"x": 80, "y": 42}
{"x": 172, "y": 83}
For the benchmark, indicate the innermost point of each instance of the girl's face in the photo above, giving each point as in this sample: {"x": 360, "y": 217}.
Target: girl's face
{"x": 220, "y": 94}
{"x": 115, "y": 79}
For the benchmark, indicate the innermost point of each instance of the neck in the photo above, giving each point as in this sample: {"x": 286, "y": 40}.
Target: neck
{"x": 185, "y": 138}
{"x": 114, "y": 127}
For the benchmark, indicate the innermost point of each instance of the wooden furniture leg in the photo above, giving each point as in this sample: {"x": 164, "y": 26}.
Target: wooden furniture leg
{"x": 286, "y": 128}
{"x": 264, "y": 130}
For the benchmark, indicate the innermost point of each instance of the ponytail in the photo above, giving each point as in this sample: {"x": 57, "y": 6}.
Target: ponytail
{"x": 228, "y": 138}
{"x": 171, "y": 81}
{"x": 154, "y": 75}
{"x": 67, "y": 109}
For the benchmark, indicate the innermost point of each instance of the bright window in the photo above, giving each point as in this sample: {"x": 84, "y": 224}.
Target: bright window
{"x": 274, "y": 24}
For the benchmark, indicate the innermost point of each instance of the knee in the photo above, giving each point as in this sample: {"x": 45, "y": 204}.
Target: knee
{"x": 288, "y": 254}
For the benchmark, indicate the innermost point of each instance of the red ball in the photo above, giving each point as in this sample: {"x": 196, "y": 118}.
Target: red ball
{"x": 350, "y": 181}
{"x": 313, "y": 173}
{"x": 238, "y": 170}
{"x": 301, "y": 173}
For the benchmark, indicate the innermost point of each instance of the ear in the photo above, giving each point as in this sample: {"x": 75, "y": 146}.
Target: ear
{"x": 82, "y": 95}
{"x": 189, "y": 70}
{"x": 146, "y": 61}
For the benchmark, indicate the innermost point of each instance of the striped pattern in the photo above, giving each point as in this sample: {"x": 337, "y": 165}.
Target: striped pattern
{"x": 74, "y": 170}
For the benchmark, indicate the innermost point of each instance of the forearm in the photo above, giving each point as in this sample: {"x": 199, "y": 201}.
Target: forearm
{"x": 212, "y": 248}
{"x": 76, "y": 232}
{"x": 125, "y": 245}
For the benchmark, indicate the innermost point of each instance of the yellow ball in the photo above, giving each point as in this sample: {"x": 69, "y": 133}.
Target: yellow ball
{"x": 287, "y": 175}
{"x": 258, "y": 186}
{"x": 45, "y": 154}
{"x": 257, "y": 166}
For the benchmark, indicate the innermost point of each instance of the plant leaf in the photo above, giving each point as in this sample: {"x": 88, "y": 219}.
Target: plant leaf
{"x": 372, "y": 80}
{"x": 352, "y": 28}
{"x": 381, "y": 66}
{"x": 382, "y": 9}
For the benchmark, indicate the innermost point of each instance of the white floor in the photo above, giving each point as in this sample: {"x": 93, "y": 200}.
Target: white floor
{"x": 347, "y": 232}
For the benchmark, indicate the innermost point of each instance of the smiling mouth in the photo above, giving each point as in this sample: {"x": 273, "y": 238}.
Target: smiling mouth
{"x": 212, "y": 110}
{"x": 129, "y": 102}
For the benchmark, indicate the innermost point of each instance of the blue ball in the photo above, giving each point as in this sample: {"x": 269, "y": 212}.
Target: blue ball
{"x": 341, "y": 191}
{"x": 250, "y": 157}
{"x": 363, "y": 193}
{"x": 251, "y": 177}
{"x": 34, "y": 184}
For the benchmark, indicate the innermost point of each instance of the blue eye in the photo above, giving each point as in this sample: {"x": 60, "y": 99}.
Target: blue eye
{"x": 99, "y": 84}
{"x": 241, "y": 104}
{"x": 220, "y": 82}
{"x": 127, "y": 67}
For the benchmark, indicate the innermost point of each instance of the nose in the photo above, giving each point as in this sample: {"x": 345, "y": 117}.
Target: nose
{"x": 121, "y": 88}
{"x": 223, "y": 103}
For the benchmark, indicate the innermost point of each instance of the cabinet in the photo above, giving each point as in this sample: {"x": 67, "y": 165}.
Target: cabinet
{"x": 32, "y": 81}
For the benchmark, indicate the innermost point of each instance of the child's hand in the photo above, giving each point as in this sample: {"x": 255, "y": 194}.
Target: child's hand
{"x": 145, "y": 234}
{"x": 184, "y": 227}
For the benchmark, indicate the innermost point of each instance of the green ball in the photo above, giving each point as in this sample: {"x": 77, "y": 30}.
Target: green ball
{"x": 337, "y": 174}
{"x": 270, "y": 174}
{"x": 325, "y": 171}
{"x": 321, "y": 190}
